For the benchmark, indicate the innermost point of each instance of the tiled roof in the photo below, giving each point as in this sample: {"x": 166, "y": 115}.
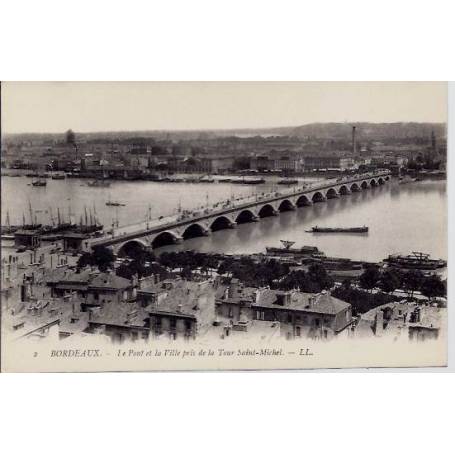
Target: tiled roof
{"x": 314, "y": 303}
{"x": 109, "y": 281}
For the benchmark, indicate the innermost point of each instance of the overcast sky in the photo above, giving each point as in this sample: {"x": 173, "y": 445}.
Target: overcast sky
{"x": 121, "y": 106}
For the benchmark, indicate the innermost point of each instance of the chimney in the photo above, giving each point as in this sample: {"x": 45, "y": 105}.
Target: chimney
{"x": 354, "y": 143}
{"x": 287, "y": 298}
{"x": 234, "y": 288}
{"x": 379, "y": 323}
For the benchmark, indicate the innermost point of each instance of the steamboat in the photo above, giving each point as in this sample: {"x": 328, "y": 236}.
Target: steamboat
{"x": 286, "y": 250}
{"x": 416, "y": 260}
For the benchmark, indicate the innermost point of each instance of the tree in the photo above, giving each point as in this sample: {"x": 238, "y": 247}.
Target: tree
{"x": 84, "y": 260}
{"x": 70, "y": 137}
{"x": 369, "y": 278}
{"x": 102, "y": 257}
{"x": 186, "y": 273}
{"x": 318, "y": 275}
{"x": 389, "y": 281}
{"x": 433, "y": 286}
{"x": 411, "y": 281}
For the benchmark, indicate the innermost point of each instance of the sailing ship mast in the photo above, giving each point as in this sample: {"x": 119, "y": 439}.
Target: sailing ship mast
{"x": 51, "y": 216}
{"x": 30, "y": 211}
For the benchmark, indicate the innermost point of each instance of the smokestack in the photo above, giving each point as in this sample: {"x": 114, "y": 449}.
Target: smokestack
{"x": 354, "y": 144}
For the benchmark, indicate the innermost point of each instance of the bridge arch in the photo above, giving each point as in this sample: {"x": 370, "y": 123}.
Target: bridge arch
{"x": 318, "y": 197}
{"x": 331, "y": 193}
{"x": 343, "y": 190}
{"x": 132, "y": 248}
{"x": 245, "y": 216}
{"x": 221, "y": 222}
{"x": 194, "y": 230}
{"x": 364, "y": 185}
{"x": 380, "y": 181}
{"x": 355, "y": 187}
{"x": 303, "y": 200}
{"x": 165, "y": 238}
{"x": 266, "y": 210}
{"x": 286, "y": 205}
{"x": 373, "y": 182}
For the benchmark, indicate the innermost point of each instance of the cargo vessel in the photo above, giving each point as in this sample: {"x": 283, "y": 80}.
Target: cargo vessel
{"x": 99, "y": 183}
{"x": 288, "y": 182}
{"x": 309, "y": 251}
{"x": 329, "y": 230}
{"x": 416, "y": 260}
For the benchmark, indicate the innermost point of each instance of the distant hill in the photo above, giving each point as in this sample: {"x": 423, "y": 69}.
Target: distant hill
{"x": 335, "y": 131}
{"x": 370, "y": 131}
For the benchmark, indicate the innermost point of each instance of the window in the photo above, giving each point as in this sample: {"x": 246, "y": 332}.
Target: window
{"x": 297, "y": 331}
{"x": 260, "y": 315}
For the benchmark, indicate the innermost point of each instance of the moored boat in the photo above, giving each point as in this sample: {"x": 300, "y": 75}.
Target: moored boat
{"x": 288, "y": 182}
{"x": 114, "y": 203}
{"x": 416, "y": 260}
{"x": 99, "y": 183}
{"x": 39, "y": 182}
{"x": 328, "y": 230}
{"x": 305, "y": 250}
{"x": 58, "y": 176}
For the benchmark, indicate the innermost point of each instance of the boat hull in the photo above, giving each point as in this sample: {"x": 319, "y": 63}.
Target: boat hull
{"x": 354, "y": 230}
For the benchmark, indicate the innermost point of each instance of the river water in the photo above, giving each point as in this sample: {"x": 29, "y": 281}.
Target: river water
{"x": 401, "y": 218}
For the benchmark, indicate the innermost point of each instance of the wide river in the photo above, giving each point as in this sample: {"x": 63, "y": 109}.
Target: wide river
{"x": 401, "y": 218}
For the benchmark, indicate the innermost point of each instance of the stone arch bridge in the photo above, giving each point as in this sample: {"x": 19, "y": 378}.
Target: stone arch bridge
{"x": 227, "y": 215}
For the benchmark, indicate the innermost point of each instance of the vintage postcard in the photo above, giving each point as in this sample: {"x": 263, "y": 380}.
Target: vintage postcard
{"x": 223, "y": 225}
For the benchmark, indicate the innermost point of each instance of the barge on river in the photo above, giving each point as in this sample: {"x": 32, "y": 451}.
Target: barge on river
{"x": 286, "y": 250}
{"x": 329, "y": 230}
{"x": 416, "y": 260}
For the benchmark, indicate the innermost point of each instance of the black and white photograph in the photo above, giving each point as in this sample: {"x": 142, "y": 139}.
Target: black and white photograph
{"x": 189, "y": 225}
{"x": 226, "y": 226}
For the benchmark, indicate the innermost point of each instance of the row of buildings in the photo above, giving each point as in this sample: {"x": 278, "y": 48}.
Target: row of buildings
{"x": 67, "y": 303}
{"x": 136, "y": 161}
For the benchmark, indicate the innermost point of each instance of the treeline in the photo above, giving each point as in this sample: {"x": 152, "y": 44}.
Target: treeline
{"x": 272, "y": 273}
{"x": 362, "y": 301}
{"x": 249, "y": 271}
{"x": 390, "y": 279}
{"x": 313, "y": 281}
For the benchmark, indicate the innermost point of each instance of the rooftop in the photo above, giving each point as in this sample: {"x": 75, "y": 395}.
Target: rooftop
{"x": 300, "y": 301}
{"x": 109, "y": 281}
{"x": 315, "y": 303}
